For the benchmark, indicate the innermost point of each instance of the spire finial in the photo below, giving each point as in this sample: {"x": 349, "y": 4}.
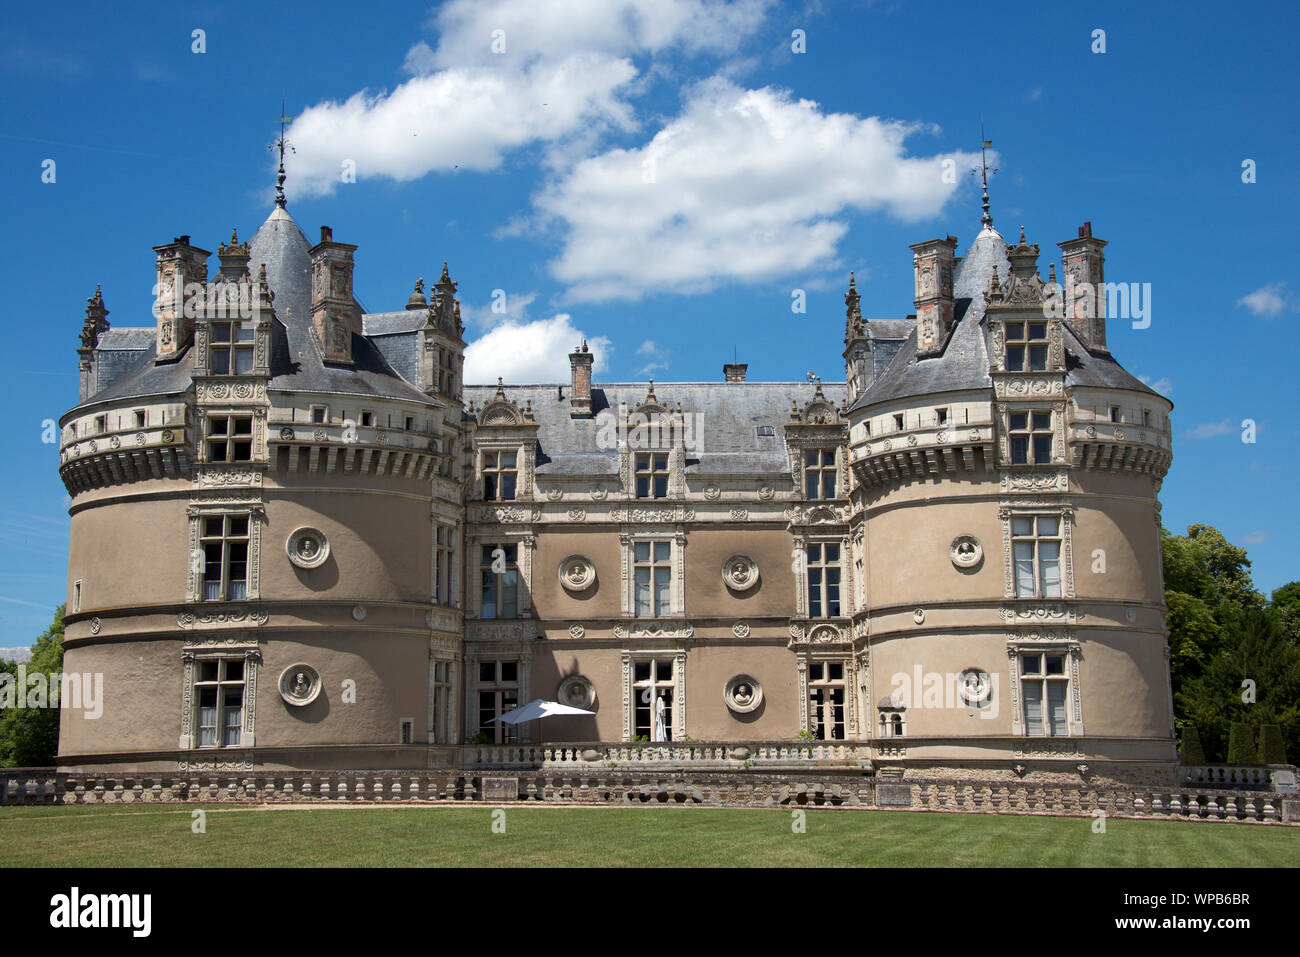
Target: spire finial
{"x": 986, "y": 220}
{"x": 281, "y": 143}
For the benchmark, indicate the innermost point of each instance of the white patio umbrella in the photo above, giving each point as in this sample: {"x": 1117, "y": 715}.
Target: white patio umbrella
{"x": 541, "y": 708}
{"x": 535, "y": 710}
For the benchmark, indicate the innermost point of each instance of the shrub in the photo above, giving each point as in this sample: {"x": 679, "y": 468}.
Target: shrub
{"x": 1241, "y": 743}
{"x": 1272, "y": 746}
{"x": 1190, "y": 750}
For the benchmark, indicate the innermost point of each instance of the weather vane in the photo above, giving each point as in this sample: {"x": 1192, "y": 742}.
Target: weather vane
{"x": 281, "y": 143}
{"x": 983, "y": 170}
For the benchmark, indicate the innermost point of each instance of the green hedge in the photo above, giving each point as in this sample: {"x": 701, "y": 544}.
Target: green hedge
{"x": 1241, "y": 744}
{"x": 1190, "y": 751}
{"x": 1272, "y": 746}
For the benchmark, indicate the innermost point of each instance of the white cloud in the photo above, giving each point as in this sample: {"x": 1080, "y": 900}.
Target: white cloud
{"x": 1209, "y": 430}
{"x": 565, "y": 73}
{"x": 515, "y": 305}
{"x": 1164, "y": 386}
{"x": 531, "y": 352}
{"x": 1267, "y": 301}
{"x": 1253, "y": 538}
{"x": 656, "y": 358}
{"x": 744, "y": 185}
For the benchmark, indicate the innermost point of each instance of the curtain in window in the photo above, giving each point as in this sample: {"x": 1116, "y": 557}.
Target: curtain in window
{"x": 643, "y": 592}
{"x": 661, "y": 591}
{"x": 1049, "y": 562}
{"x": 1056, "y": 707}
{"x": 1024, "y": 553}
{"x": 1033, "y": 707}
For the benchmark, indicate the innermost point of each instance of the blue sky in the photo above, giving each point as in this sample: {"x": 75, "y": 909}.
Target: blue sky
{"x": 659, "y": 177}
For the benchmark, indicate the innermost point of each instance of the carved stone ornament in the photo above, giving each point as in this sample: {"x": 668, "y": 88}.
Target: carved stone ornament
{"x": 554, "y": 494}
{"x": 918, "y": 616}
{"x": 307, "y": 547}
{"x": 975, "y": 687}
{"x": 740, "y": 629}
{"x": 359, "y": 612}
{"x": 740, "y": 572}
{"x": 766, "y": 493}
{"x": 299, "y": 685}
{"x": 577, "y": 692}
{"x": 576, "y": 631}
{"x": 966, "y": 551}
{"x": 742, "y": 694}
{"x": 94, "y": 626}
{"x": 712, "y": 493}
{"x": 577, "y": 573}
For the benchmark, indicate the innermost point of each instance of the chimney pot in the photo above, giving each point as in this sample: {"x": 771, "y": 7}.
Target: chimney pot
{"x": 734, "y": 371}
{"x": 580, "y": 363}
{"x": 326, "y": 234}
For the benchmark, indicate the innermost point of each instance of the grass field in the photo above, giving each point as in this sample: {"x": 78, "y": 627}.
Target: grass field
{"x": 141, "y": 836}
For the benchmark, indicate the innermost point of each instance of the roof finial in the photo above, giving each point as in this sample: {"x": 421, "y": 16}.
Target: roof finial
{"x": 281, "y": 143}
{"x": 986, "y": 220}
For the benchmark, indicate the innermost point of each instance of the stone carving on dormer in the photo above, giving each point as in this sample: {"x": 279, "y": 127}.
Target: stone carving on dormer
{"x": 499, "y": 410}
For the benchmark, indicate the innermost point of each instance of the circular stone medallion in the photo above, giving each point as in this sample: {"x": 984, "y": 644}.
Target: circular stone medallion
{"x": 742, "y": 694}
{"x": 966, "y": 551}
{"x": 975, "y": 687}
{"x": 577, "y": 692}
{"x": 577, "y": 573}
{"x": 740, "y": 572}
{"x": 307, "y": 547}
{"x": 299, "y": 685}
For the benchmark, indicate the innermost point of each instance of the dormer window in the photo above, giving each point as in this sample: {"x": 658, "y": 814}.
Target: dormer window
{"x": 819, "y": 473}
{"x": 898, "y": 422}
{"x": 140, "y": 418}
{"x": 410, "y": 423}
{"x": 319, "y": 414}
{"x": 500, "y": 474}
{"x": 1146, "y": 418}
{"x": 367, "y": 419}
{"x": 941, "y": 416}
{"x": 1026, "y": 346}
{"x": 101, "y": 424}
{"x": 652, "y": 475}
{"x": 232, "y": 348}
{"x": 1114, "y": 413}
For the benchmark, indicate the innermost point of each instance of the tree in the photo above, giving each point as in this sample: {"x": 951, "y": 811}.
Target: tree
{"x": 29, "y": 737}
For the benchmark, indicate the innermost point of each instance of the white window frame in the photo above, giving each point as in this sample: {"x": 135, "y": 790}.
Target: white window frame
{"x": 678, "y": 658}
{"x": 676, "y": 579}
{"x": 1072, "y": 653}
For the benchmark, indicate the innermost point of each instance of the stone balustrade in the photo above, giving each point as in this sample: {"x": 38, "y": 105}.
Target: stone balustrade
{"x": 694, "y": 755}
{"x": 1261, "y": 777}
{"x": 829, "y": 786}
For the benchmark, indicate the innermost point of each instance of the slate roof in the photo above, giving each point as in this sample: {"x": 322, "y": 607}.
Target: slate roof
{"x": 728, "y": 441}
{"x": 964, "y": 363}
{"x": 126, "y": 356}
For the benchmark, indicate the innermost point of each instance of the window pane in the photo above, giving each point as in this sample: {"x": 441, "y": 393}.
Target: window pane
{"x": 509, "y": 671}
{"x": 208, "y": 672}
{"x": 243, "y": 360}
{"x": 1048, "y": 525}
{"x": 810, "y": 484}
{"x": 1015, "y": 358}
{"x": 221, "y": 361}
{"x": 832, "y": 553}
{"x": 221, "y": 332}
{"x": 1019, "y": 450}
{"x": 508, "y": 459}
{"x": 1037, "y": 358}
{"x": 1019, "y": 421}
{"x": 663, "y": 672}
{"x": 642, "y": 551}
{"x": 810, "y": 457}
{"x": 234, "y": 670}
{"x": 1031, "y": 664}
{"x": 661, "y": 591}
{"x": 489, "y": 594}
{"x": 1056, "y": 664}
{"x": 1042, "y": 449}
{"x": 815, "y": 671}
{"x": 828, "y": 485}
{"x": 1038, "y": 330}
{"x": 661, "y": 463}
{"x": 239, "y": 526}
{"x": 508, "y": 486}
{"x": 643, "y": 592}
{"x": 661, "y": 551}
{"x": 1022, "y": 526}
{"x": 661, "y": 486}
{"x": 1015, "y": 330}
{"x": 814, "y": 553}
{"x": 1042, "y": 420}
{"x": 490, "y": 487}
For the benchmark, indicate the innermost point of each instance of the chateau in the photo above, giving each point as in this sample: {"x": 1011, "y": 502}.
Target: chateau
{"x": 299, "y": 540}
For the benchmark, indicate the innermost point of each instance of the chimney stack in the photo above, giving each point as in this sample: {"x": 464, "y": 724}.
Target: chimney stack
{"x": 734, "y": 371}
{"x": 1083, "y": 264}
{"x": 580, "y": 362}
{"x": 334, "y": 315}
{"x": 180, "y": 265}
{"x": 932, "y": 262}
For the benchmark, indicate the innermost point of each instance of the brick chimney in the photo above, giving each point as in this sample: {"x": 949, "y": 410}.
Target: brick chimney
{"x": 580, "y": 361}
{"x": 734, "y": 371}
{"x": 932, "y": 262}
{"x": 1083, "y": 267}
{"x": 334, "y": 315}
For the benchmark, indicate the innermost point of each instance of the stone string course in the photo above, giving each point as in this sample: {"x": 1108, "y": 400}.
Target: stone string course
{"x": 26, "y": 786}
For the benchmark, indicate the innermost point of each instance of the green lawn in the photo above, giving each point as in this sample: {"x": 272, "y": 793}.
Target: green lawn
{"x": 117, "y": 836}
